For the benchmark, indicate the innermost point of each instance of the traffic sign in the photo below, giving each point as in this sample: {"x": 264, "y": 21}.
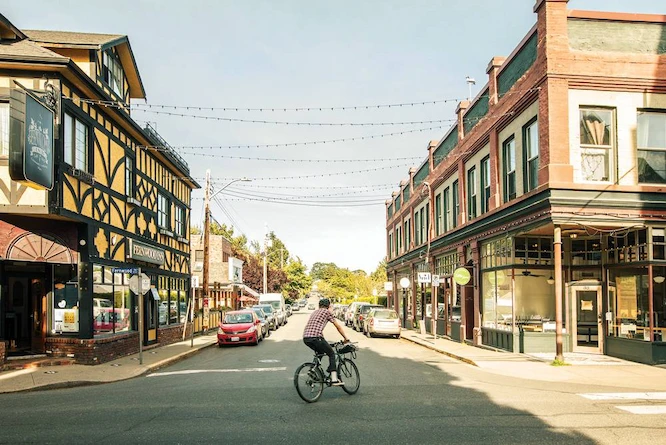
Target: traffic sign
{"x": 424, "y": 277}
{"x": 130, "y": 270}
{"x": 134, "y": 283}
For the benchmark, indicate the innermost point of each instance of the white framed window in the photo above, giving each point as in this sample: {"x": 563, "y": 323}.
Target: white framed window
{"x": 509, "y": 168}
{"x": 162, "y": 211}
{"x": 471, "y": 193}
{"x": 447, "y": 210}
{"x": 596, "y": 144}
{"x": 113, "y": 73}
{"x": 531, "y": 149}
{"x": 485, "y": 184}
{"x": 76, "y": 142}
{"x": 129, "y": 176}
{"x": 438, "y": 215}
{"x": 456, "y": 204}
{"x": 179, "y": 220}
{"x": 4, "y": 129}
{"x": 651, "y": 147}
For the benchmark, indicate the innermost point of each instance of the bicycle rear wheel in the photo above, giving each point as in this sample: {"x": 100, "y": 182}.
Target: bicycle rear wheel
{"x": 309, "y": 382}
{"x": 348, "y": 373}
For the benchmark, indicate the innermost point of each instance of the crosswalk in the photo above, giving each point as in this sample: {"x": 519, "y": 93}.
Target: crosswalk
{"x": 639, "y": 397}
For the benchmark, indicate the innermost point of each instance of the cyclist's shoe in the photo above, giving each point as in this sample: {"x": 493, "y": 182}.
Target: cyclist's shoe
{"x": 337, "y": 383}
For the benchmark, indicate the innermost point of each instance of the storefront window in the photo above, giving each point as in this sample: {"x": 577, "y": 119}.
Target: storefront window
{"x": 534, "y": 301}
{"x": 497, "y": 304}
{"x": 65, "y": 316}
{"x": 164, "y": 308}
{"x": 630, "y": 310}
{"x": 112, "y": 301}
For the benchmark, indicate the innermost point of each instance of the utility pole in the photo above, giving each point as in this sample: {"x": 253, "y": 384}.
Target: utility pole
{"x": 206, "y": 264}
{"x": 265, "y": 255}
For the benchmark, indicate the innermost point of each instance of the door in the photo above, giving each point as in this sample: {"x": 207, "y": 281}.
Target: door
{"x": 38, "y": 315}
{"x": 17, "y": 328}
{"x": 586, "y": 319}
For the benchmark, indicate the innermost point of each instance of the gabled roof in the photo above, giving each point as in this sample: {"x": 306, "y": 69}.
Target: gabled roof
{"x": 27, "y": 50}
{"x": 101, "y": 42}
{"x": 9, "y": 31}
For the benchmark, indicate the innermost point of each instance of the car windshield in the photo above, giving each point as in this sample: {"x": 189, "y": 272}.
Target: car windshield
{"x": 275, "y": 304}
{"x": 259, "y": 313}
{"x": 238, "y": 318}
{"x": 385, "y": 314}
{"x": 267, "y": 309}
{"x": 366, "y": 309}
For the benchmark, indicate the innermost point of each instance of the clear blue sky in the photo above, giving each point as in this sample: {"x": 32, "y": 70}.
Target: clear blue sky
{"x": 289, "y": 54}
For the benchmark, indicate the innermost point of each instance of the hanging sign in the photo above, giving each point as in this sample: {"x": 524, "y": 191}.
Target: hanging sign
{"x": 435, "y": 280}
{"x": 424, "y": 278}
{"x": 461, "y": 276}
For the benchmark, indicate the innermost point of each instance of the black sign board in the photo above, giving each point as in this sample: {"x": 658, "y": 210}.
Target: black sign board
{"x": 30, "y": 140}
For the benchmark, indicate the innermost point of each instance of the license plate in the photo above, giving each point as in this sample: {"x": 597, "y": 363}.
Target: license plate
{"x": 235, "y": 338}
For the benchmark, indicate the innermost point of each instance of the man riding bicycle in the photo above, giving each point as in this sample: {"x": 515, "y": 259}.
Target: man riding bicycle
{"x": 313, "y": 336}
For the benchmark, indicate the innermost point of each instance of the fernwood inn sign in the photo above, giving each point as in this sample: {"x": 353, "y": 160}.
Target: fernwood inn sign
{"x": 143, "y": 252}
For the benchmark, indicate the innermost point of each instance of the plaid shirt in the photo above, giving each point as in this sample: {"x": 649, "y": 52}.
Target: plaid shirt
{"x": 317, "y": 322}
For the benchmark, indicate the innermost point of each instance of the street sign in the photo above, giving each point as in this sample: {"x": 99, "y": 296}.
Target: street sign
{"x": 388, "y": 285}
{"x": 134, "y": 283}
{"x": 435, "y": 280}
{"x": 195, "y": 281}
{"x": 130, "y": 270}
{"x": 424, "y": 278}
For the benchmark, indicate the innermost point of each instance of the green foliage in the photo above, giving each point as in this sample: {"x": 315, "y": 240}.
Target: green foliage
{"x": 557, "y": 362}
{"x": 344, "y": 286}
{"x": 298, "y": 281}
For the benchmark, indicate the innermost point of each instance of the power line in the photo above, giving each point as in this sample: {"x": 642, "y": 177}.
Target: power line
{"x": 327, "y": 161}
{"x": 321, "y": 175}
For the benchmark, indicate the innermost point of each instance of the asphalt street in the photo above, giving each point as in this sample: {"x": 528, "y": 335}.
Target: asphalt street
{"x": 245, "y": 394}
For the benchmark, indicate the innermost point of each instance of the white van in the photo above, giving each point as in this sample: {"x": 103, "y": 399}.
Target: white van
{"x": 277, "y": 302}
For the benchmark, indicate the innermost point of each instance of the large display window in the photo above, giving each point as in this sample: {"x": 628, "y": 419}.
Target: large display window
{"x": 112, "y": 301}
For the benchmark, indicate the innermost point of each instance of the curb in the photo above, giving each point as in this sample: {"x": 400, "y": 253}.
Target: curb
{"x": 434, "y": 348}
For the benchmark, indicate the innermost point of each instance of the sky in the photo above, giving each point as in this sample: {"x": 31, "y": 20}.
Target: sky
{"x": 297, "y": 63}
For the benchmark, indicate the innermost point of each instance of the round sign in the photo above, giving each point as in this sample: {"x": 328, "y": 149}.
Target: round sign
{"x": 461, "y": 276}
{"x": 404, "y": 282}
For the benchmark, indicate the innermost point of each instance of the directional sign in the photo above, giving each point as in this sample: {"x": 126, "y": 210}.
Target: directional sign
{"x": 131, "y": 270}
{"x": 424, "y": 277}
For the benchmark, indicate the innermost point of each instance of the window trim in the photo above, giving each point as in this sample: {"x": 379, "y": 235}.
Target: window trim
{"x": 660, "y": 112}
{"x": 163, "y": 214}
{"x": 472, "y": 192}
{"x": 530, "y": 183}
{"x": 107, "y": 69}
{"x": 509, "y": 175}
{"x": 455, "y": 203}
{"x": 610, "y": 150}
{"x": 88, "y": 145}
{"x": 5, "y": 153}
{"x": 485, "y": 184}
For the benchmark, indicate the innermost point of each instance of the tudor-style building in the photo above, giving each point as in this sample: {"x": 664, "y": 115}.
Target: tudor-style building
{"x": 549, "y": 191}
{"x": 84, "y": 205}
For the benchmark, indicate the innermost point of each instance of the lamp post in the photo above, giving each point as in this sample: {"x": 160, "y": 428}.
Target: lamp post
{"x": 207, "y": 199}
{"x": 404, "y": 284}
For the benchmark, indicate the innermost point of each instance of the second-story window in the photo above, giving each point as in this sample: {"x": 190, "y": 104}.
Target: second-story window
{"x": 76, "y": 142}
{"x": 398, "y": 238}
{"x": 471, "y": 193}
{"x": 596, "y": 143}
{"x": 129, "y": 177}
{"x": 531, "y": 148}
{"x": 509, "y": 168}
{"x": 162, "y": 211}
{"x": 651, "y": 147}
{"x": 485, "y": 184}
{"x": 408, "y": 235}
{"x": 447, "y": 210}
{"x": 179, "y": 220}
{"x": 4, "y": 129}
{"x": 113, "y": 73}
{"x": 438, "y": 214}
{"x": 455, "y": 204}
{"x": 417, "y": 228}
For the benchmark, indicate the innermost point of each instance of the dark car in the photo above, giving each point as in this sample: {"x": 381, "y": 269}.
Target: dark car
{"x": 360, "y": 313}
{"x": 270, "y": 315}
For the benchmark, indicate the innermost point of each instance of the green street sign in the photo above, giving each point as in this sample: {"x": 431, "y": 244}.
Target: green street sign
{"x": 461, "y": 276}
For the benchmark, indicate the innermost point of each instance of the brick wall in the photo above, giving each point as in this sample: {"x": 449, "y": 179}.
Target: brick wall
{"x": 95, "y": 351}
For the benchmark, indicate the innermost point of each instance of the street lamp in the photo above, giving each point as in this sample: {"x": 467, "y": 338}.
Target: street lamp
{"x": 404, "y": 284}
{"x": 207, "y": 199}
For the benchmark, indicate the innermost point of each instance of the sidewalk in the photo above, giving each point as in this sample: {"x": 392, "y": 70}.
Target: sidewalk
{"x": 584, "y": 368}
{"x": 66, "y": 376}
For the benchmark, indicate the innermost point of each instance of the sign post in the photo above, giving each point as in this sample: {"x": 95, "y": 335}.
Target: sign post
{"x": 140, "y": 317}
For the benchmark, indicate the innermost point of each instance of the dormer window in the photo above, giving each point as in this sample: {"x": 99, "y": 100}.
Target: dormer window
{"x": 113, "y": 73}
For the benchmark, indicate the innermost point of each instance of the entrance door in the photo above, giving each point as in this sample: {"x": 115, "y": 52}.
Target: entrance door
{"x": 17, "y": 311}
{"x": 38, "y": 315}
{"x": 586, "y": 320}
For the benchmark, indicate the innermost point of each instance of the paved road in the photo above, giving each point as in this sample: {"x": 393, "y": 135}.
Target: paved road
{"x": 408, "y": 394}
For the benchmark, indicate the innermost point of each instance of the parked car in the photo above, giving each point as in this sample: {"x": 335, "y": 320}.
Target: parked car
{"x": 295, "y": 307}
{"x": 349, "y": 313}
{"x": 360, "y": 313}
{"x": 287, "y": 308}
{"x": 311, "y": 307}
{"x": 270, "y": 315}
{"x": 239, "y": 327}
{"x": 265, "y": 325}
{"x": 382, "y": 321}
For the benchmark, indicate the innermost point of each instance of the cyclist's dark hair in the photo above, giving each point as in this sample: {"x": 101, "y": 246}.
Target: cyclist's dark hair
{"x": 324, "y": 302}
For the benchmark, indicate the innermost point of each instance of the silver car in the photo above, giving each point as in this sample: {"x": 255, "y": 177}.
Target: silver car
{"x": 382, "y": 321}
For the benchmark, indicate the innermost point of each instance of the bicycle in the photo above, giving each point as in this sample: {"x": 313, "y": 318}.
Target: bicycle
{"x": 310, "y": 378}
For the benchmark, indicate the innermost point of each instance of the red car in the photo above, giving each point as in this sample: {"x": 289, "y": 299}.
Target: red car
{"x": 238, "y": 327}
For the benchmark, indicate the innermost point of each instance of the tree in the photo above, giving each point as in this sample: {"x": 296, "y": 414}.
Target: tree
{"x": 298, "y": 281}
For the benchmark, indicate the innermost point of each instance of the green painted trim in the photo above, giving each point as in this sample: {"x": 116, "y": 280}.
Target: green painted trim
{"x": 447, "y": 145}
{"x": 476, "y": 112}
{"x": 517, "y": 66}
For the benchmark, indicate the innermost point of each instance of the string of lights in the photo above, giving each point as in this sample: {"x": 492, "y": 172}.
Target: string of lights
{"x": 259, "y": 193}
{"x": 296, "y": 123}
{"x": 138, "y": 106}
{"x": 294, "y": 144}
{"x": 318, "y": 203}
{"x": 314, "y": 161}
{"x": 319, "y": 175}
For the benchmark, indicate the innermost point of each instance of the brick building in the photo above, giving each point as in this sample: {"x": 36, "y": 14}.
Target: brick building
{"x": 548, "y": 191}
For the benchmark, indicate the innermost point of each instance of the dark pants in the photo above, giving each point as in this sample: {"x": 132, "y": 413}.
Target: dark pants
{"x": 321, "y": 346}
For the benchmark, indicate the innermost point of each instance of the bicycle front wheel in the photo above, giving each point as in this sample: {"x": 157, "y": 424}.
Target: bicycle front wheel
{"x": 348, "y": 373}
{"x": 309, "y": 382}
